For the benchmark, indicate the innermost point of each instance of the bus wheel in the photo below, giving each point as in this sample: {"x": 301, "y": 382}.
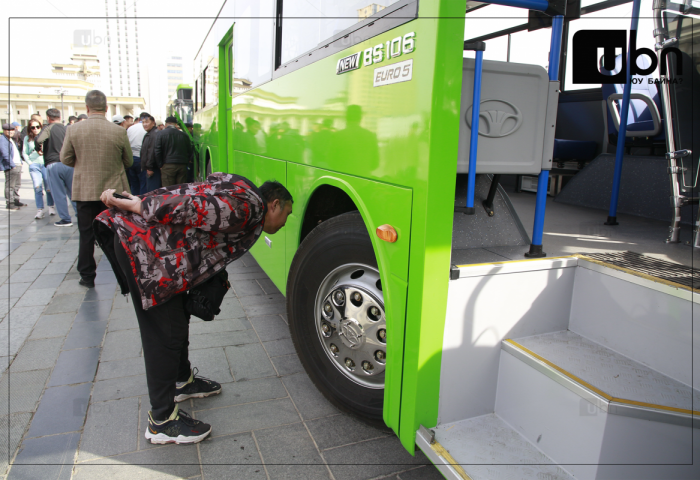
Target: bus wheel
{"x": 336, "y": 315}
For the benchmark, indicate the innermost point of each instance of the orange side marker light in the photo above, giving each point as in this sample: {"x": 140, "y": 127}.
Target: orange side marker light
{"x": 387, "y": 233}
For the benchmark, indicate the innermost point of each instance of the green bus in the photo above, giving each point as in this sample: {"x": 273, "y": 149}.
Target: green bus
{"x": 180, "y": 105}
{"x": 363, "y": 112}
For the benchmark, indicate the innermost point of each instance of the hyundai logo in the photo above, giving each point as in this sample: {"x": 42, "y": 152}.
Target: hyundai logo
{"x": 498, "y": 117}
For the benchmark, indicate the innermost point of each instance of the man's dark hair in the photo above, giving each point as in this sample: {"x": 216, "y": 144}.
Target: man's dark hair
{"x": 128, "y": 116}
{"x": 273, "y": 190}
{"x": 171, "y": 120}
{"x": 53, "y": 113}
{"x": 72, "y": 117}
{"x": 96, "y": 100}
{"x": 144, "y": 115}
{"x": 82, "y": 116}
{"x": 150, "y": 117}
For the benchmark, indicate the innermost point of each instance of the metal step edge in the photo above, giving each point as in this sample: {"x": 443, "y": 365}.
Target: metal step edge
{"x": 608, "y": 404}
{"x": 440, "y": 457}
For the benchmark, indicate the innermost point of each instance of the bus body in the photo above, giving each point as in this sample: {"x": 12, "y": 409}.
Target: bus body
{"x": 361, "y": 120}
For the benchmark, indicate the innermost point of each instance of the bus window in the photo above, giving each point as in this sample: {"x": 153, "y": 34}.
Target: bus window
{"x": 196, "y": 95}
{"x": 531, "y": 47}
{"x": 253, "y": 44}
{"x": 204, "y": 87}
{"x": 614, "y": 18}
{"x": 308, "y": 23}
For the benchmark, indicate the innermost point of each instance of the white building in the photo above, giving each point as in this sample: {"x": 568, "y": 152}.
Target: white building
{"x": 174, "y": 68}
{"x": 122, "y": 74}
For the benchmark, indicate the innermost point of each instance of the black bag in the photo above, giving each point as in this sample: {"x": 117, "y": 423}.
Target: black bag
{"x": 204, "y": 300}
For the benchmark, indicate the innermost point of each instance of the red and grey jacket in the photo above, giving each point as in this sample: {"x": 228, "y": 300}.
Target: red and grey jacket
{"x": 184, "y": 235}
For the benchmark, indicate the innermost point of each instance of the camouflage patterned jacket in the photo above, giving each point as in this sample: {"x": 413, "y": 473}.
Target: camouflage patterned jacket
{"x": 184, "y": 235}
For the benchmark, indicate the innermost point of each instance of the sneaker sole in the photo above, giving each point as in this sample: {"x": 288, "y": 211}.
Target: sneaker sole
{"x": 64, "y": 225}
{"x": 161, "y": 438}
{"x": 183, "y": 397}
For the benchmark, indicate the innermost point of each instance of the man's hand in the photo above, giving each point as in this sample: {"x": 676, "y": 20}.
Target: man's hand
{"x": 131, "y": 205}
{"x": 150, "y": 173}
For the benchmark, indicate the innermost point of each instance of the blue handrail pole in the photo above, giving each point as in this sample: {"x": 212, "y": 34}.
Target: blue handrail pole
{"x": 622, "y": 132}
{"x": 474, "y": 138}
{"x": 543, "y": 179}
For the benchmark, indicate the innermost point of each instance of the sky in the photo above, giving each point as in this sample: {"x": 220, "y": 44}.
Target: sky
{"x": 42, "y": 34}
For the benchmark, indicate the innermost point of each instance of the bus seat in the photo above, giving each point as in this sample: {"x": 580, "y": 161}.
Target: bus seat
{"x": 645, "y": 122}
{"x": 579, "y": 150}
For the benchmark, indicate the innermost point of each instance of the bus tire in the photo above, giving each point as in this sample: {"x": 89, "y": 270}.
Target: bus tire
{"x": 330, "y": 260}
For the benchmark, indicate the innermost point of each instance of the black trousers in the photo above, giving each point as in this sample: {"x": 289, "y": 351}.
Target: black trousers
{"x": 87, "y": 211}
{"x": 164, "y": 336}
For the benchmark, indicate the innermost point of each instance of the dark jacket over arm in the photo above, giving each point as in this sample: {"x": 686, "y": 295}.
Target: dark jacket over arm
{"x": 148, "y": 151}
{"x": 172, "y": 146}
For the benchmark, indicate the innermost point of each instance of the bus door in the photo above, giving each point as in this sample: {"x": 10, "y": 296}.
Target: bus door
{"x": 227, "y": 123}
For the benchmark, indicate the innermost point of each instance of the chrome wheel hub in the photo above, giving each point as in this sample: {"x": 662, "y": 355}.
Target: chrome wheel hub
{"x": 351, "y": 324}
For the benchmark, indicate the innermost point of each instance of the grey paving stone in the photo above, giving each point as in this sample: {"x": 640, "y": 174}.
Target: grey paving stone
{"x": 21, "y": 276}
{"x": 371, "y": 459}
{"x": 310, "y": 402}
{"x": 57, "y": 267}
{"x": 13, "y": 289}
{"x": 34, "y": 297}
{"x": 232, "y": 457}
{"x": 427, "y": 472}
{"x": 121, "y": 344}
{"x": 101, "y": 292}
{"x": 12, "y": 428}
{"x": 48, "y": 281}
{"x": 342, "y": 429}
{"x": 121, "y": 302}
{"x": 230, "y": 308}
{"x": 268, "y": 286}
{"x": 247, "y": 391}
{"x": 211, "y": 363}
{"x": 13, "y": 339}
{"x": 62, "y": 410}
{"x": 249, "y": 361}
{"x": 247, "y": 287}
{"x": 65, "y": 303}
{"x": 48, "y": 457}
{"x": 23, "y": 317}
{"x": 169, "y": 462}
{"x": 239, "y": 267}
{"x": 273, "y": 308}
{"x": 280, "y": 347}
{"x": 85, "y": 334}
{"x": 123, "y": 319}
{"x": 5, "y": 363}
{"x": 16, "y": 259}
{"x": 222, "y": 339}
{"x": 104, "y": 277}
{"x": 122, "y": 387}
{"x": 270, "y": 327}
{"x": 243, "y": 418}
{"x": 217, "y": 326}
{"x": 49, "y": 326}
{"x": 20, "y": 391}
{"x": 110, "y": 429}
{"x": 290, "y": 453}
{"x": 127, "y": 367}
{"x": 6, "y": 305}
{"x": 234, "y": 277}
{"x": 45, "y": 253}
{"x": 71, "y": 286}
{"x": 75, "y": 366}
{"x": 261, "y": 299}
{"x": 287, "y": 364}
{"x": 284, "y": 318}
{"x": 35, "y": 263}
{"x": 94, "y": 311}
{"x": 37, "y": 355}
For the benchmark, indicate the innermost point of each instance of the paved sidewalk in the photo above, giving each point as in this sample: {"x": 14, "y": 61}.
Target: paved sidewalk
{"x": 75, "y": 390}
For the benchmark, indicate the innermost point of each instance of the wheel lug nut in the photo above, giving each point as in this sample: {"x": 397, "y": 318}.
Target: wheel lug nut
{"x": 325, "y": 328}
{"x": 374, "y": 311}
{"x": 327, "y": 308}
{"x": 334, "y": 348}
{"x": 367, "y": 367}
{"x": 339, "y": 297}
{"x": 349, "y": 363}
{"x": 357, "y": 297}
{"x": 382, "y": 335}
{"x": 379, "y": 355}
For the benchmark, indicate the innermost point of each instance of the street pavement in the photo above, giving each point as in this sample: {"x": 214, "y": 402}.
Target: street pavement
{"x": 73, "y": 389}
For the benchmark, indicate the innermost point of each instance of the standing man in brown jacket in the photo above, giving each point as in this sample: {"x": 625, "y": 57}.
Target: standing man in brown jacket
{"x": 99, "y": 151}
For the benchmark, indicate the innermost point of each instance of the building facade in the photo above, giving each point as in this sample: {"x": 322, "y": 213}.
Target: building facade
{"x": 122, "y": 76}
{"x": 175, "y": 75}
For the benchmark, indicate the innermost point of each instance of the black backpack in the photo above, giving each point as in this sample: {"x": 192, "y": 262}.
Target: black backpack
{"x": 204, "y": 300}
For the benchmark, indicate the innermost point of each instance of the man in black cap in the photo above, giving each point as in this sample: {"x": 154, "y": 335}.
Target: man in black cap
{"x": 12, "y": 165}
{"x": 172, "y": 153}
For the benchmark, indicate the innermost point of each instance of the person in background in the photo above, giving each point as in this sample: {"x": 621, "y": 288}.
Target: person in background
{"x": 160, "y": 125}
{"x": 81, "y": 117}
{"x": 172, "y": 151}
{"x": 100, "y": 152}
{"x": 119, "y": 120}
{"x": 129, "y": 121}
{"x": 148, "y": 158}
{"x": 72, "y": 119}
{"x": 25, "y": 130}
{"x": 49, "y": 142}
{"x": 136, "y": 175}
{"x": 17, "y": 137}
{"x": 37, "y": 170}
{"x": 12, "y": 165}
